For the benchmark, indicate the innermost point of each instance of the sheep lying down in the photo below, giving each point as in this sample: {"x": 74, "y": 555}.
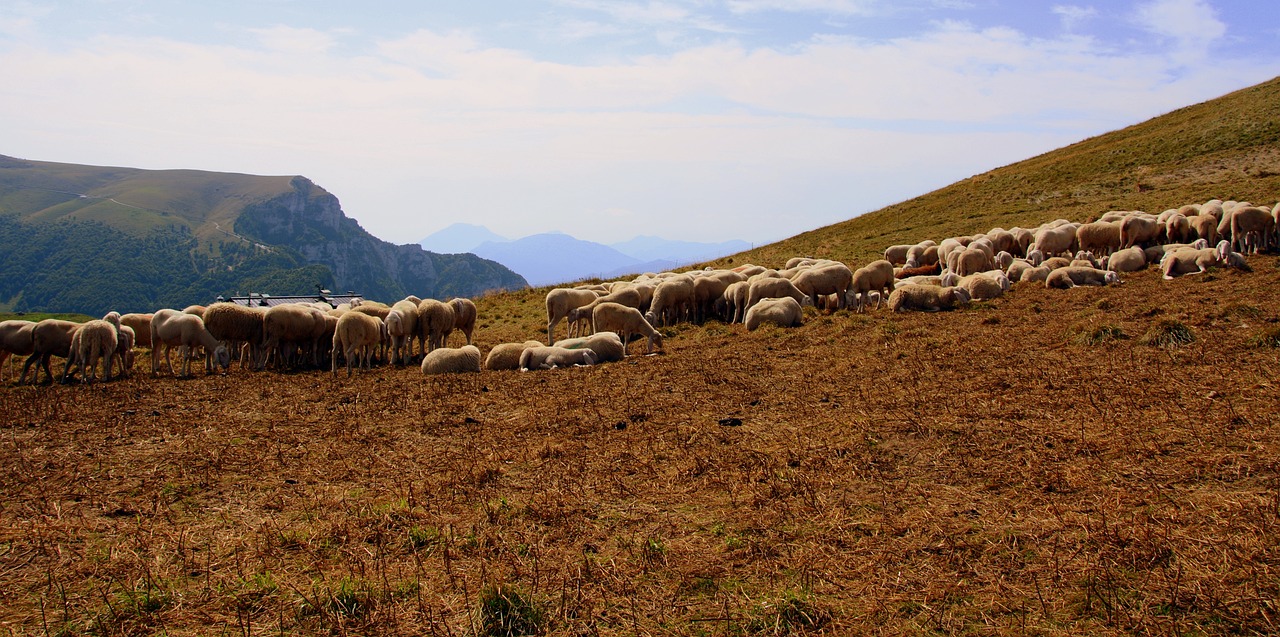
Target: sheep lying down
{"x": 551, "y": 357}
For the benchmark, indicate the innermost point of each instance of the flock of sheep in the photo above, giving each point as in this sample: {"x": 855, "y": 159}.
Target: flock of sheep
{"x": 602, "y": 318}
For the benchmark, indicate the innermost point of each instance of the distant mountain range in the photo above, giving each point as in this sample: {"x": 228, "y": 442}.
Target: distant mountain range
{"x": 551, "y": 258}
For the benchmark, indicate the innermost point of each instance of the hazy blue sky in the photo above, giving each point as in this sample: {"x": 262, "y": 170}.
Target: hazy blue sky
{"x": 692, "y": 119}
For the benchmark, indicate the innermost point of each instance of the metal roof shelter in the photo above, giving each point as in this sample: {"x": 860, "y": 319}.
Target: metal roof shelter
{"x": 267, "y": 300}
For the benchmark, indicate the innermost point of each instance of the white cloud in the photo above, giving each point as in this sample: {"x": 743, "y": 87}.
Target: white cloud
{"x": 1193, "y": 24}
{"x": 835, "y": 7}
{"x": 713, "y": 142}
{"x": 1072, "y": 15}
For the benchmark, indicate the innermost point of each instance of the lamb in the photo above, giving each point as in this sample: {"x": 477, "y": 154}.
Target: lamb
{"x": 435, "y": 321}
{"x": 464, "y": 317}
{"x": 356, "y": 337}
{"x": 124, "y": 348}
{"x": 1189, "y": 261}
{"x": 507, "y": 355}
{"x": 736, "y": 297}
{"x": 15, "y": 339}
{"x": 1072, "y": 276}
{"x": 549, "y": 357}
{"x": 833, "y": 279}
{"x": 608, "y": 346}
{"x": 50, "y": 337}
{"x": 95, "y": 340}
{"x": 927, "y": 298}
{"x": 876, "y": 276}
{"x": 614, "y": 317}
{"x": 238, "y": 327}
{"x": 452, "y": 360}
{"x": 560, "y": 301}
{"x": 783, "y": 312}
{"x": 187, "y": 331}
{"x": 141, "y": 324}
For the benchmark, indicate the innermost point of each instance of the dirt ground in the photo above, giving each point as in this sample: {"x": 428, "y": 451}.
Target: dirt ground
{"x": 1031, "y": 465}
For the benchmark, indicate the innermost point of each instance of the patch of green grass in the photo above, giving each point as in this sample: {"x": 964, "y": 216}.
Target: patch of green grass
{"x": 1168, "y": 333}
{"x": 794, "y": 613}
{"x": 1089, "y": 334}
{"x": 506, "y": 611}
{"x": 40, "y": 316}
{"x": 1268, "y": 338}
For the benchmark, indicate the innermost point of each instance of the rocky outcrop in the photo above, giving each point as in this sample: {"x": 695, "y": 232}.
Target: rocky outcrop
{"x": 310, "y": 221}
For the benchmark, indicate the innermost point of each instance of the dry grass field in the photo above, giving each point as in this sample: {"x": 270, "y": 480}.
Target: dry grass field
{"x": 1090, "y": 461}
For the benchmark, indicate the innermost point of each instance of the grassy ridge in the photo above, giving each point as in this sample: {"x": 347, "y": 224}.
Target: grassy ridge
{"x": 1227, "y": 148}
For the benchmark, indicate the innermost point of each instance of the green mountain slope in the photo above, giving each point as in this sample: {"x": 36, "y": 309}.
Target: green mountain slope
{"x": 1226, "y": 148}
{"x": 90, "y": 238}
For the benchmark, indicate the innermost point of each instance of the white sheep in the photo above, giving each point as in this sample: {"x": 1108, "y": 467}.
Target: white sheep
{"x": 824, "y": 280}
{"x": 876, "y": 276}
{"x": 783, "y": 312}
{"x": 238, "y": 327}
{"x": 435, "y": 321}
{"x": 507, "y": 355}
{"x": 187, "y": 331}
{"x": 452, "y": 360}
{"x": 1251, "y": 229}
{"x": 1191, "y": 261}
{"x": 1073, "y": 276}
{"x": 672, "y": 301}
{"x": 560, "y": 301}
{"x": 982, "y": 287}
{"x": 625, "y": 321}
{"x": 356, "y": 337}
{"x": 608, "y": 346}
{"x": 50, "y": 337}
{"x": 773, "y": 288}
{"x": 1127, "y": 260}
{"x": 288, "y": 328}
{"x": 927, "y": 298}
{"x": 141, "y": 324}
{"x": 124, "y": 349}
{"x": 95, "y": 340}
{"x": 464, "y": 317}
{"x": 550, "y": 357}
{"x": 15, "y": 339}
{"x": 406, "y": 329}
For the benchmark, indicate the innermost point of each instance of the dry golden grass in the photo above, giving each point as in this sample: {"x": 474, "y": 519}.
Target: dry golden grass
{"x": 1024, "y": 466}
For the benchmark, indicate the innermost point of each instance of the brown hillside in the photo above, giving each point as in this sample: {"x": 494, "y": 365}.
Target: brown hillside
{"x": 1022, "y": 466}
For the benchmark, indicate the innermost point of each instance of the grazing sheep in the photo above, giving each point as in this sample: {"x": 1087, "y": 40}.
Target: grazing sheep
{"x": 672, "y": 301}
{"x": 1015, "y": 269}
{"x": 124, "y": 348}
{"x": 560, "y": 301}
{"x": 1251, "y": 229}
{"x": 833, "y": 279}
{"x": 735, "y": 298}
{"x": 1036, "y": 274}
{"x": 405, "y": 330}
{"x": 614, "y": 317}
{"x": 1190, "y": 261}
{"x": 452, "y": 360}
{"x": 1056, "y": 262}
{"x": 464, "y": 317}
{"x": 876, "y": 276}
{"x": 435, "y": 321}
{"x": 897, "y": 255}
{"x": 1177, "y": 228}
{"x": 141, "y": 324}
{"x": 1138, "y": 229}
{"x": 773, "y": 289}
{"x": 50, "y": 337}
{"x": 608, "y": 346}
{"x": 507, "y": 355}
{"x": 15, "y": 339}
{"x": 927, "y": 298}
{"x": 1055, "y": 240}
{"x": 580, "y": 317}
{"x": 1072, "y": 276}
{"x": 783, "y": 312}
{"x": 972, "y": 260}
{"x": 288, "y": 328}
{"x": 238, "y": 327}
{"x": 356, "y": 336}
{"x": 1206, "y": 227}
{"x": 550, "y": 357}
{"x": 1127, "y": 260}
{"x": 709, "y": 289}
{"x": 1099, "y": 237}
{"x": 187, "y": 331}
{"x": 95, "y": 340}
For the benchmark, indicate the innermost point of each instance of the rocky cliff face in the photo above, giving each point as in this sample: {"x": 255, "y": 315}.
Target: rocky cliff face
{"x": 310, "y": 220}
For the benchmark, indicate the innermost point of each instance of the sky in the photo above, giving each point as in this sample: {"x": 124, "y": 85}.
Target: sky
{"x": 700, "y": 120}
